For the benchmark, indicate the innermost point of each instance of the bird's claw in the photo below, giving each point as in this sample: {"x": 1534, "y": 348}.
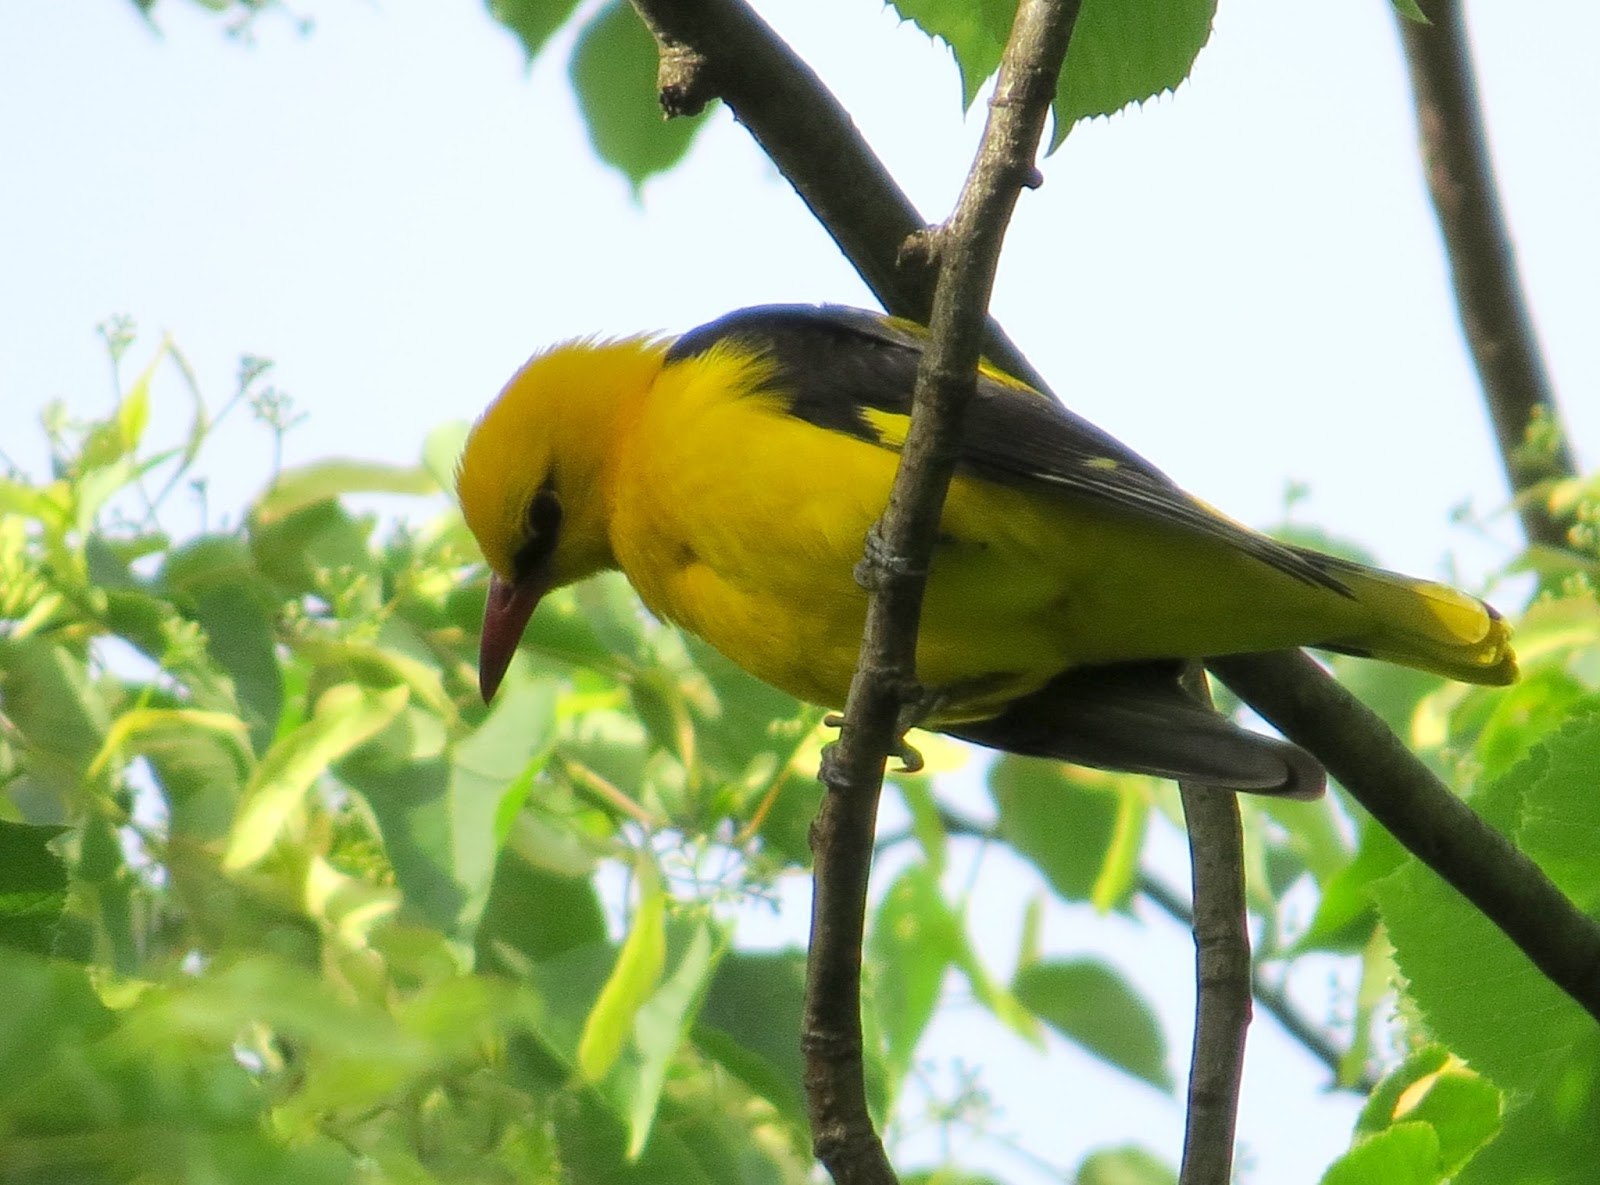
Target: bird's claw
{"x": 918, "y": 704}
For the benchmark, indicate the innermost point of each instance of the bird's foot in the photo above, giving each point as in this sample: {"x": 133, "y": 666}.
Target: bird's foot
{"x": 880, "y": 562}
{"x": 917, "y": 705}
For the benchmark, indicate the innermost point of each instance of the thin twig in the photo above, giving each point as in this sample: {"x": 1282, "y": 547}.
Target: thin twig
{"x": 1222, "y": 974}
{"x": 894, "y": 571}
{"x": 1489, "y": 295}
{"x": 1421, "y": 812}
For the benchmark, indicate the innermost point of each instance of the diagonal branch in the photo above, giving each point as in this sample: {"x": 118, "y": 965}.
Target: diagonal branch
{"x": 894, "y": 571}
{"x": 1419, "y": 811}
{"x": 722, "y": 49}
{"x": 1489, "y": 298}
{"x": 731, "y": 53}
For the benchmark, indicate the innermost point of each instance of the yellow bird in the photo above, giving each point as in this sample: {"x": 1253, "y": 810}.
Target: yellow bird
{"x": 732, "y": 474}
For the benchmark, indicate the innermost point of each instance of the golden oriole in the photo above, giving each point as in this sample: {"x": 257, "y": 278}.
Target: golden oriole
{"x": 732, "y": 474}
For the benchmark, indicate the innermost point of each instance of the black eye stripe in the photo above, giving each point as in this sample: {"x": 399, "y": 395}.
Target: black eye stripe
{"x": 544, "y": 528}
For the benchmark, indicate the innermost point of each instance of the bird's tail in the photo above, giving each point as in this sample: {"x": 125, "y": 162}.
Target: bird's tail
{"x": 1137, "y": 717}
{"x": 1428, "y": 626}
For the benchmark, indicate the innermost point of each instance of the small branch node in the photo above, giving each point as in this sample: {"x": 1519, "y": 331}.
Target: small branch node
{"x": 683, "y": 81}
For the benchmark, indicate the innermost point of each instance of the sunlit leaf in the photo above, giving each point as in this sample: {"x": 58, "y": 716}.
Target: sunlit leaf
{"x": 344, "y": 717}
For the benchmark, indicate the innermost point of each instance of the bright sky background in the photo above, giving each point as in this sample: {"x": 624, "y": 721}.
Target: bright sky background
{"x": 1242, "y": 281}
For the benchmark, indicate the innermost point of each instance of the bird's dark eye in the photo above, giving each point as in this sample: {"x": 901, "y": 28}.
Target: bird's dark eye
{"x": 544, "y": 527}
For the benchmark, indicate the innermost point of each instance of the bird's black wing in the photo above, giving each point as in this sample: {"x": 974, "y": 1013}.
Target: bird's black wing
{"x": 836, "y": 366}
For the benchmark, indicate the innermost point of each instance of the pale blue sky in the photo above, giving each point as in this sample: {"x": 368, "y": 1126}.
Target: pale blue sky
{"x": 1242, "y": 281}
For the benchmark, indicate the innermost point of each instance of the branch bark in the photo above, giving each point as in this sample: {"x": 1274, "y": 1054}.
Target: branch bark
{"x": 894, "y": 571}
{"x": 1421, "y": 812}
{"x": 1222, "y": 974}
{"x": 1517, "y": 390}
{"x": 724, "y": 49}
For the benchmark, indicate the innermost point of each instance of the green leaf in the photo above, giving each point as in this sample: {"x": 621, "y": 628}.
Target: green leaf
{"x": 635, "y": 976}
{"x": 1346, "y": 914}
{"x": 438, "y": 808}
{"x": 1477, "y": 992}
{"x": 1561, "y": 815}
{"x": 1127, "y": 51}
{"x": 215, "y": 580}
{"x": 1090, "y": 1004}
{"x": 1550, "y": 1135}
{"x": 750, "y": 1023}
{"x": 613, "y": 71}
{"x": 533, "y": 915}
{"x": 532, "y": 20}
{"x": 1405, "y": 1154}
{"x": 1081, "y": 831}
{"x": 344, "y": 717}
{"x": 1128, "y": 1165}
{"x": 975, "y": 30}
{"x": 58, "y": 715}
{"x": 1432, "y": 1087}
{"x": 913, "y": 941}
{"x": 1122, "y": 51}
{"x": 1411, "y": 11}
{"x": 33, "y": 888}
{"x": 693, "y": 948}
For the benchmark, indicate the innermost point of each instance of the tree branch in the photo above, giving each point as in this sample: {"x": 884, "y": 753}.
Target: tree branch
{"x": 722, "y": 49}
{"x": 1421, "y": 812}
{"x": 1489, "y": 296}
{"x": 894, "y": 571}
{"x": 1270, "y": 996}
{"x": 781, "y": 102}
{"x": 1222, "y": 973}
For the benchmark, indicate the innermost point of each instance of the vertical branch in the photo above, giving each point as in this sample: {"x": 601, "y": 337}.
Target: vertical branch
{"x": 1222, "y": 974}
{"x": 894, "y": 571}
{"x": 1489, "y": 297}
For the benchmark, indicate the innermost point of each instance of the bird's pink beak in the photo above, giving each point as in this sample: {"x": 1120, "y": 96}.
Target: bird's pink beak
{"x": 505, "y": 616}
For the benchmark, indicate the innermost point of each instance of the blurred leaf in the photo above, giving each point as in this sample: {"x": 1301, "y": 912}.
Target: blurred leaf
{"x": 54, "y": 710}
{"x": 299, "y": 488}
{"x": 913, "y": 941}
{"x": 217, "y": 579}
{"x": 33, "y": 888}
{"x": 750, "y": 1021}
{"x": 635, "y": 976}
{"x": 1405, "y": 1154}
{"x": 1090, "y": 1004}
{"x": 344, "y": 717}
{"x": 1346, "y": 912}
{"x": 1080, "y": 831}
{"x": 613, "y": 71}
{"x": 532, "y": 20}
{"x": 535, "y": 915}
{"x": 292, "y": 549}
{"x": 1128, "y": 1165}
{"x": 693, "y": 948}
{"x": 1551, "y": 1134}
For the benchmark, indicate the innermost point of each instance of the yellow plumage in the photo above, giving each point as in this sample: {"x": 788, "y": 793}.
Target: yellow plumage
{"x": 733, "y": 477}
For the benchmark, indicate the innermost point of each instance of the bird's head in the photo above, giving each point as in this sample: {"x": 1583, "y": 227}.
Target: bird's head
{"x": 534, "y": 480}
